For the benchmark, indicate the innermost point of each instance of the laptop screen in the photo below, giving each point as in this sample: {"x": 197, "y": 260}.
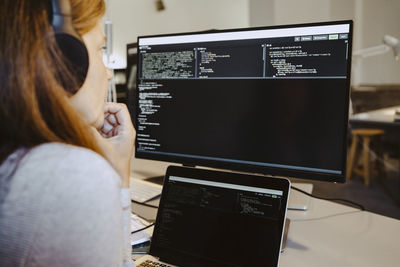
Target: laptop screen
{"x": 219, "y": 221}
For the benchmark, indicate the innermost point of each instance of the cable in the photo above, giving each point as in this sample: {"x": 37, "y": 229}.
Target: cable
{"x": 141, "y": 229}
{"x": 361, "y": 207}
{"x": 144, "y": 204}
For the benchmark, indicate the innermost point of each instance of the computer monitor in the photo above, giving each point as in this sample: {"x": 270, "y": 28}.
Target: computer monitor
{"x": 270, "y": 100}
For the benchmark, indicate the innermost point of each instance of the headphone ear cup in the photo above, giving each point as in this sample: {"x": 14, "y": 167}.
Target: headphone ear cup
{"x": 77, "y": 59}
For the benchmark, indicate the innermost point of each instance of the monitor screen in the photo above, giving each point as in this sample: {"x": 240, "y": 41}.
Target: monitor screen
{"x": 270, "y": 100}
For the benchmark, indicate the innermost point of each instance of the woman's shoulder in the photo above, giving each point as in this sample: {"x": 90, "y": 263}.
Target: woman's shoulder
{"x": 53, "y": 151}
{"x": 55, "y": 175}
{"x": 66, "y": 157}
{"x": 65, "y": 163}
{"x": 63, "y": 196}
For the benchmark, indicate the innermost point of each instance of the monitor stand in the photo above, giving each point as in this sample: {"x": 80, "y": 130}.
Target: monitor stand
{"x": 156, "y": 179}
{"x": 298, "y": 200}
{"x": 160, "y": 179}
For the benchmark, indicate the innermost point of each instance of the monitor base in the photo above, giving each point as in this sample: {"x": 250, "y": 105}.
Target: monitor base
{"x": 297, "y": 200}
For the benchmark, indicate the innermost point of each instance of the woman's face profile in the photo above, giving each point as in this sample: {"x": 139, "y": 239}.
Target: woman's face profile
{"x": 90, "y": 99}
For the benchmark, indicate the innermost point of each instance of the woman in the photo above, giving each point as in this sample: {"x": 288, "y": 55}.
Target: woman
{"x": 64, "y": 155}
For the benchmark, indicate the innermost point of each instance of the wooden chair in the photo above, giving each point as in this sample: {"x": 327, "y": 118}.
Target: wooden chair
{"x": 365, "y": 138}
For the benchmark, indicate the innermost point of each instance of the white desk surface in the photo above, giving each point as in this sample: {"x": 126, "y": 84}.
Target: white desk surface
{"x": 327, "y": 234}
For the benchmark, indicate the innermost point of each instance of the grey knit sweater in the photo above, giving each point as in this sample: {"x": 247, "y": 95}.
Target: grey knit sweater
{"x": 63, "y": 206}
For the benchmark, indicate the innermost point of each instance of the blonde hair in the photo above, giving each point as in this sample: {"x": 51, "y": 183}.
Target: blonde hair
{"x": 86, "y": 14}
{"x": 34, "y": 107}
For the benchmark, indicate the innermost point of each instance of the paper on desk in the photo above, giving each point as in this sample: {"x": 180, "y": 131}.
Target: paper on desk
{"x": 136, "y": 224}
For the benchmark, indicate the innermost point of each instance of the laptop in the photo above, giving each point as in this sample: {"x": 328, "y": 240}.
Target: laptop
{"x": 213, "y": 218}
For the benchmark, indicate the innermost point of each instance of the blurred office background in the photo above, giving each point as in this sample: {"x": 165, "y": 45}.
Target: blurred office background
{"x": 375, "y": 78}
{"x": 372, "y": 20}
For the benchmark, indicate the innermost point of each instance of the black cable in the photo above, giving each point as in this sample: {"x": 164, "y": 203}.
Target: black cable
{"x": 144, "y": 204}
{"x": 144, "y": 228}
{"x": 361, "y": 207}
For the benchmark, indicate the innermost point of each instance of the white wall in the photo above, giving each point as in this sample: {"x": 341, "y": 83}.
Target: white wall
{"x": 261, "y": 12}
{"x": 277, "y": 12}
{"x": 379, "y": 18}
{"x": 372, "y": 20}
{"x": 303, "y": 11}
{"x": 132, "y": 18}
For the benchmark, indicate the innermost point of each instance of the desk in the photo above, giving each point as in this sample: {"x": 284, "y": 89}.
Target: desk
{"x": 380, "y": 119}
{"x": 375, "y": 118}
{"x": 322, "y": 237}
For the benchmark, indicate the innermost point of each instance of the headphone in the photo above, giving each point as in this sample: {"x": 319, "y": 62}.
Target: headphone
{"x": 69, "y": 42}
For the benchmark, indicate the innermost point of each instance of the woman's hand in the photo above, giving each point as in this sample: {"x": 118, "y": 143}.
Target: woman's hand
{"x": 116, "y": 139}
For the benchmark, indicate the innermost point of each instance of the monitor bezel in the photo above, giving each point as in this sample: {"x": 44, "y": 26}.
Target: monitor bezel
{"x": 265, "y": 170}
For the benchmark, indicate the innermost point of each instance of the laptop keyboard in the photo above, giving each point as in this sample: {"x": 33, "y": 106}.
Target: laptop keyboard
{"x": 143, "y": 191}
{"x": 149, "y": 263}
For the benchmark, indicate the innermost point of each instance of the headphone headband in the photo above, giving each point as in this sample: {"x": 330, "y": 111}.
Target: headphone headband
{"x": 61, "y": 7}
